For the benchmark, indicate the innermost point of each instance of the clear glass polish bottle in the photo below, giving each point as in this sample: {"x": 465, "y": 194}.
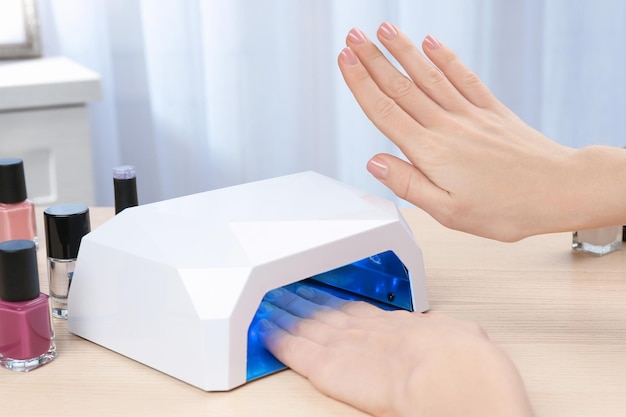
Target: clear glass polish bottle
{"x": 65, "y": 226}
{"x": 17, "y": 213}
{"x": 599, "y": 241}
{"x": 26, "y": 334}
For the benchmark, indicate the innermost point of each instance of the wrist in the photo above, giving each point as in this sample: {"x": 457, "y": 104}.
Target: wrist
{"x": 479, "y": 376}
{"x": 599, "y": 190}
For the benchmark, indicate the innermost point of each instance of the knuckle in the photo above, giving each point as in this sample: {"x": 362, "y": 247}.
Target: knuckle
{"x": 407, "y": 184}
{"x": 355, "y": 306}
{"x": 354, "y": 334}
{"x": 431, "y": 79}
{"x": 286, "y": 350}
{"x": 431, "y": 146}
{"x": 384, "y": 107}
{"x": 360, "y": 75}
{"x": 400, "y": 87}
{"x": 470, "y": 78}
{"x": 359, "y": 309}
{"x": 450, "y": 59}
{"x": 289, "y": 301}
{"x": 299, "y": 327}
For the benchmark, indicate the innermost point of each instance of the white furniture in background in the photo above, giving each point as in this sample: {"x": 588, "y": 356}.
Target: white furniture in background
{"x": 45, "y": 121}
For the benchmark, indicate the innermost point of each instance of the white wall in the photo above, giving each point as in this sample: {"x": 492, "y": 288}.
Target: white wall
{"x": 200, "y": 94}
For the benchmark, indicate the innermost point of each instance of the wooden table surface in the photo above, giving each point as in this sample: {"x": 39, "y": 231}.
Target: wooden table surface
{"x": 560, "y": 315}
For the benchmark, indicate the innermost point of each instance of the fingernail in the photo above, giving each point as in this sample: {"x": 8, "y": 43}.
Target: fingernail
{"x": 274, "y": 294}
{"x": 377, "y": 168}
{"x": 432, "y": 42}
{"x": 306, "y": 292}
{"x": 265, "y": 325}
{"x": 349, "y": 57}
{"x": 265, "y": 308}
{"x": 356, "y": 36}
{"x": 388, "y": 31}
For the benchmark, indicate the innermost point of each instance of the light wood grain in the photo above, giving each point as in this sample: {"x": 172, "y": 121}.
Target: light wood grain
{"x": 560, "y": 315}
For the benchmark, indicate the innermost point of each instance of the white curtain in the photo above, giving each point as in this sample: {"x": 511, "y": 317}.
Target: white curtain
{"x": 201, "y": 94}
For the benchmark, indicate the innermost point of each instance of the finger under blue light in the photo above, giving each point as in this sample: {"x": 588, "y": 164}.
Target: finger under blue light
{"x": 381, "y": 280}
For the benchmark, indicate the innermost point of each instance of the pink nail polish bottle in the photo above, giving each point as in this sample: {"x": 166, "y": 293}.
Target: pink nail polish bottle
{"x": 26, "y": 335}
{"x": 17, "y": 213}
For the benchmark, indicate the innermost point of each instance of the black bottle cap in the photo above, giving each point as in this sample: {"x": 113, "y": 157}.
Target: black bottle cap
{"x": 19, "y": 276}
{"x": 12, "y": 181}
{"x": 65, "y": 225}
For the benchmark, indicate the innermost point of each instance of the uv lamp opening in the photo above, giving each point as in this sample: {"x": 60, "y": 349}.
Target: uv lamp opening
{"x": 381, "y": 279}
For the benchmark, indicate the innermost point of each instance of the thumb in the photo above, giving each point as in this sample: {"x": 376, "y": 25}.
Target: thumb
{"x": 407, "y": 182}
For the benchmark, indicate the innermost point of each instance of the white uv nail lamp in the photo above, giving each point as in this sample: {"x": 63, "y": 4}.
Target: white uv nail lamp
{"x": 176, "y": 285}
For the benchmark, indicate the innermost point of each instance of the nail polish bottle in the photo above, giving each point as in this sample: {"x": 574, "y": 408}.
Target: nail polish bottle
{"x": 65, "y": 226}
{"x": 17, "y": 213}
{"x": 599, "y": 241}
{"x": 124, "y": 187}
{"x": 26, "y": 335}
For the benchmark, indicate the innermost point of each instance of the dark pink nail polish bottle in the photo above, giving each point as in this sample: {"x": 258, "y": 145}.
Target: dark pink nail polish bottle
{"x": 26, "y": 335}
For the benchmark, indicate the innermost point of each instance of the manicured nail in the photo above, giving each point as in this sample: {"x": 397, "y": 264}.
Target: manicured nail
{"x": 349, "y": 57}
{"x": 356, "y": 36}
{"x": 388, "y": 31}
{"x": 377, "y": 168}
{"x": 306, "y": 292}
{"x": 265, "y": 325}
{"x": 274, "y": 294}
{"x": 432, "y": 42}
{"x": 265, "y": 308}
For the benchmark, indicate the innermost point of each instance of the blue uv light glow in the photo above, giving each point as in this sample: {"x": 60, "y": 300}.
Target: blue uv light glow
{"x": 382, "y": 280}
